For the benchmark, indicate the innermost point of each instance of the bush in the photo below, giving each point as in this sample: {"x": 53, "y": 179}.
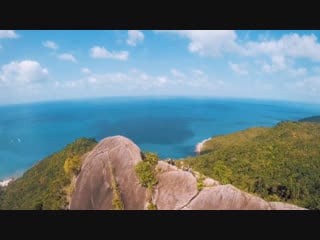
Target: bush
{"x": 145, "y": 169}
{"x": 152, "y": 206}
{"x": 72, "y": 165}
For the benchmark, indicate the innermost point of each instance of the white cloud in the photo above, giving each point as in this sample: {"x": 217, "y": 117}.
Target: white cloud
{"x": 298, "y": 72}
{"x": 209, "y": 42}
{"x": 85, "y": 70}
{"x": 289, "y": 45}
{"x": 26, "y": 71}
{"x": 8, "y": 34}
{"x": 197, "y": 72}
{"x": 278, "y": 63}
{"x": 217, "y": 42}
{"x": 50, "y": 44}
{"x": 162, "y": 80}
{"x": 134, "y": 37}
{"x": 101, "y": 52}
{"x": 92, "y": 80}
{"x": 310, "y": 85}
{"x": 67, "y": 57}
{"x": 176, "y": 73}
{"x": 238, "y": 69}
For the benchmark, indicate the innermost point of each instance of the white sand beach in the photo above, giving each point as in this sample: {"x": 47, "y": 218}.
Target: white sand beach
{"x": 199, "y": 146}
{"x": 5, "y": 183}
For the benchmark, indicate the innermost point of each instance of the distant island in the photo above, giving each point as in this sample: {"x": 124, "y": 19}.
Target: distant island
{"x": 278, "y": 164}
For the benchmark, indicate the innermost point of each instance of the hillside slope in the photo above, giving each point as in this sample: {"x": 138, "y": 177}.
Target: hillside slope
{"x": 280, "y": 163}
{"x": 44, "y": 185}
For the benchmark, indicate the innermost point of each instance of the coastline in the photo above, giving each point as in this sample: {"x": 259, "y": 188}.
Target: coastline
{"x": 4, "y": 183}
{"x": 199, "y": 145}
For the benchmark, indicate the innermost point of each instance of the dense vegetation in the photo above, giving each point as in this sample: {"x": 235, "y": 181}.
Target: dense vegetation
{"x": 145, "y": 169}
{"x": 147, "y": 175}
{"x": 281, "y": 163}
{"x": 44, "y": 185}
{"x": 311, "y": 119}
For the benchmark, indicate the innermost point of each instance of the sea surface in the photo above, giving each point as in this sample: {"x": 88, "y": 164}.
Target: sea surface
{"x": 169, "y": 126}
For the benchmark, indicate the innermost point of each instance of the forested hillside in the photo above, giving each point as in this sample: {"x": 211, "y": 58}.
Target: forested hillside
{"x": 47, "y": 184}
{"x": 281, "y": 163}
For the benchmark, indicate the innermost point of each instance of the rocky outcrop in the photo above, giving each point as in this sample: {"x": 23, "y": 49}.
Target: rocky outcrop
{"x": 224, "y": 197}
{"x": 114, "y": 158}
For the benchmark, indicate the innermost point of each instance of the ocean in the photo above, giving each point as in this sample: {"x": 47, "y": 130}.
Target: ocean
{"x": 169, "y": 126}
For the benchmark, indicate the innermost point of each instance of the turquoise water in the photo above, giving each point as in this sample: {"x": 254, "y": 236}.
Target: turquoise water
{"x": 169, "y": 126}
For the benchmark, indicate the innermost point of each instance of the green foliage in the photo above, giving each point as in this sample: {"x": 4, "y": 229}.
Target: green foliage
{"x": 116, "y": 201}
{"x": 200, "y": 184}
{"x": 152, "y": 206}
{"x": 72, "y": 165}
{"x": 150, "y": 157}
{"x": 281, "y": 163}
{"x": 223, "y": 173}
{"x": 38, "y": 205}
{"x": 145, "y": 169}
{"x": 42, "y": 186}
{"x": 2, "y": 192}
{"x": 311, "y": 119}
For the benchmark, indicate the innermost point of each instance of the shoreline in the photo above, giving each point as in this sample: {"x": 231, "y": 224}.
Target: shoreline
{"x": 199, "y": 145}
{"x": 4, "y": 183}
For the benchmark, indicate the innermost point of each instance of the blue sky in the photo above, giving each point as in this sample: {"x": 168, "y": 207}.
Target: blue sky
{"x": 42, "y": 65}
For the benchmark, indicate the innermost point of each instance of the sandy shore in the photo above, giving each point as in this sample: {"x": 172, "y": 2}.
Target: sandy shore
{"x": 5, "y": 183}
{"x": 199, "y": 146}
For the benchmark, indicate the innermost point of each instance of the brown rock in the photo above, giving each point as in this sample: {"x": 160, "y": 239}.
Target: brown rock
{"x": 93, "y": 186}
{"x": 175, "y": 189}
{"x": 226, "y": 197}
{"x": 284, "y": 206}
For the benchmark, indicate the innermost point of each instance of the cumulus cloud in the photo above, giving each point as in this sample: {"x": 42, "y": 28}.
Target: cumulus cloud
{"x": 101, "y": 52}
{"x": 85, "y": 70}
{"x": 176, "y": 73}
{"x": 67, "y": 57}
{"x": 8, "y": 34}
{"x": 50, "y": 44}
{"x": 238, "y": 69}
{"x": 209, "y": 42}
{"x": 289, "y": 45}
{"x": 134, "y": 37}
{"x": 161, "y": 80}
{"x": 26, "y": 71}
{"x": 197, "y": 72}
{"x": 218, "y": 42}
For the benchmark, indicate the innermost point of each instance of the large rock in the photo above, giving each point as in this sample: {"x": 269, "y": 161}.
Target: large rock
{"x": 176, "y": 189}
{"x": 93, "y": 186}
{"x": 284, "y": 206}
{"x": 226, "y": 197}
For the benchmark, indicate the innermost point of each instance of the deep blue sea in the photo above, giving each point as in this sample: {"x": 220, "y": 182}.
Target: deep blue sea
{"x": 169, "y": 126}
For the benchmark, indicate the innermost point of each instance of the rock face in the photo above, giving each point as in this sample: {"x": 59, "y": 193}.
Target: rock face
{"x": 176, "y": 189}
{"x": 224, "y": 197}
{"x": 93, "y": 188}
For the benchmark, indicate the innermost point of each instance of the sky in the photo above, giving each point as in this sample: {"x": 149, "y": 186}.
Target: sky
{"x": 45, "y": 65}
